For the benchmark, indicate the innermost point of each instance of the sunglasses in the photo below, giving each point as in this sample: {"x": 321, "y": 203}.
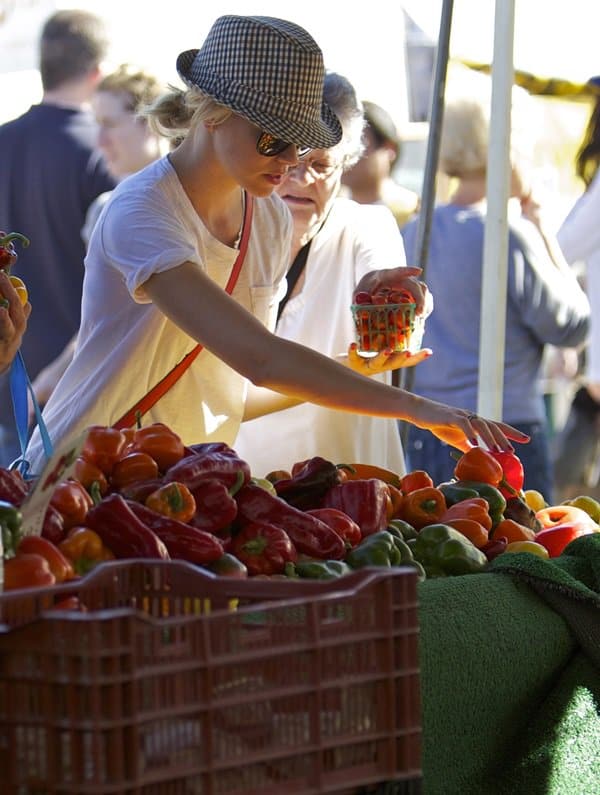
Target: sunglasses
{"x": 268, "y": 145}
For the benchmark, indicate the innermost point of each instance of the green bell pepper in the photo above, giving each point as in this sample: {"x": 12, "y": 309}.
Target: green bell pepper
{"x": 443, "y": 551}
{"x": 379, "y": 549}
{"x": 10, "y": 527}
{"x": 401, "y": 529}
{"x": 494, "y": 498}
{"x": 321, "y": 569}
{"x": 454, "y": 492}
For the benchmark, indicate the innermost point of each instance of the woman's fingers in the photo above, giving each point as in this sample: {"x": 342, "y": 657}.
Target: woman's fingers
{"x": 385, "y": 361}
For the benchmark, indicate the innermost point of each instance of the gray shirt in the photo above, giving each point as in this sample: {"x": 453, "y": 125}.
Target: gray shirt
{"x": 545, "y": 304}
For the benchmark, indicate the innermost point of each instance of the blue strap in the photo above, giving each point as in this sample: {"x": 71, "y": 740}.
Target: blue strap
{"x": 20, "y": 385}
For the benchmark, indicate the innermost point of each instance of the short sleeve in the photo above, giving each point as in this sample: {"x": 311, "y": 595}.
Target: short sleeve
{"x": 141, "y": 236}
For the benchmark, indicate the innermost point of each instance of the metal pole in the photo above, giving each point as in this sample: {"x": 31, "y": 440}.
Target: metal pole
{"x": 406, "y": 378}
{"x": 495, "y": 243}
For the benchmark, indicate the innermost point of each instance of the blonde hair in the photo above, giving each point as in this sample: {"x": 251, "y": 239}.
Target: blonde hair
{"x": 466, "y": 126}
{"x": 176, "y": 112}
{"x": 139, "y": 88}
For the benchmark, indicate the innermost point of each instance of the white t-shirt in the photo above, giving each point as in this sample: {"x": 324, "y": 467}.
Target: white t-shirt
{"x": 579, "y": 239}
{"x": 126, "y": 345}
{"x": 355, "y": 239}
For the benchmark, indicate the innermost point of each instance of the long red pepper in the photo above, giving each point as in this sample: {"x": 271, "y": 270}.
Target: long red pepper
{"x": 308, "y": 534}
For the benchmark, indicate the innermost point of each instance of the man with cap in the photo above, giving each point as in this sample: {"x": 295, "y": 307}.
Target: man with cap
{"x": 202, "y": 222}
{"x": 370, "y": 180}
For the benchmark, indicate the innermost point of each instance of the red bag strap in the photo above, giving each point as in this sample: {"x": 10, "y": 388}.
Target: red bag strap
{"x": 145, "y": 403}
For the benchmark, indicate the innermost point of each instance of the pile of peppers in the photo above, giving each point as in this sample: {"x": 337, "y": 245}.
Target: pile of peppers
{"x": 142, "y": 493}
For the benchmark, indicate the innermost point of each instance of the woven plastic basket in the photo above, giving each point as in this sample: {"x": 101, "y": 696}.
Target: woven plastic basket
{"x": 164, "y": 687}
{"x": 381, "y": 326}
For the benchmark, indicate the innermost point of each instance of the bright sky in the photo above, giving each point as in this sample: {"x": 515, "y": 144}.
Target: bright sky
{"x": 552, "y": 37}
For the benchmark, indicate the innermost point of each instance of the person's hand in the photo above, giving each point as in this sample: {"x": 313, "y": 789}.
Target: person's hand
{"x": 384, "y": 362}
{"x": 463, "y": 429}
{"x": 399, "y": 279}
{"x": 13, "y": 321}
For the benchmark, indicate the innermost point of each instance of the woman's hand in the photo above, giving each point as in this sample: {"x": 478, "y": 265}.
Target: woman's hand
{"x": 13, "y": 321}
{"x": 403, "y": 278}
{"x": 384, "y": 362}
{"x": 463, "y": 429}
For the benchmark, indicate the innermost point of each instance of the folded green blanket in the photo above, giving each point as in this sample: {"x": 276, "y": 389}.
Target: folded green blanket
{"x": 570, "y": 584}
{"x": 510, "y": 684}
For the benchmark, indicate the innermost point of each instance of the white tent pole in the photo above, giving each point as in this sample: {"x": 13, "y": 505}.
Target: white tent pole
{"x": 495, "y": 247}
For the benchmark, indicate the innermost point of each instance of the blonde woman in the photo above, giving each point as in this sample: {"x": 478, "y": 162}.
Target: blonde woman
{"x": 165, "y": 244}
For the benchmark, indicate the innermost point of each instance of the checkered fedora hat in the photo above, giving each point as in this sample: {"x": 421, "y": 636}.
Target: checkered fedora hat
{"x": 270, "y": 72}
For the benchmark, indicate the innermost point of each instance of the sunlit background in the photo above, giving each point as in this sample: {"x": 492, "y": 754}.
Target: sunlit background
{"x": 366, "y": 42}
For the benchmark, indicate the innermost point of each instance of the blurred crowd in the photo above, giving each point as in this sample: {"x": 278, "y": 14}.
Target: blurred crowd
{"x": 62, "y": 159}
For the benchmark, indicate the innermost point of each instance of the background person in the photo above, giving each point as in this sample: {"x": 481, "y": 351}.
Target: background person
{"x": 50, "y": 173}
{"x": 545, "y": 303}
{"x": 370, "y": 179}
{"x": 165, "y": 244}
{"x": 127, "y": 144}
{"x": 576, "y": 464}
{"x": 335, "y": 242}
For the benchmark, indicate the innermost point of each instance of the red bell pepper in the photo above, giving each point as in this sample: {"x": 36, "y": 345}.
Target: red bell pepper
{"x": 310, "y": 481}
{"x": 556, "y": 538}
{"x": 13, "y": 488}
{"x": 60, "y": 566}
{"x": 53, "y": 527}
{"x": 514, "y": 475}
{"x": 181, "y": 540}
{"x": 123, "y": 532}
{"x": 339, "y": 521}
{"x": 214, "y": 461}
{"x": 364, "y": 501}
{"x": 215, "y": 506}
{"x": 309, "y": 535}
{"x": 264, "y": 548}
{"x": 8, "y": 255}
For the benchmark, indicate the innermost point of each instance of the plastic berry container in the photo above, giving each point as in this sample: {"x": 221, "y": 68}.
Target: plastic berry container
{"x": 387, "y": 325}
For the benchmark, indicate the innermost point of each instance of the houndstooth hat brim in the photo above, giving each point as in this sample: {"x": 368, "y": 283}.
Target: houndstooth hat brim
{"x": 269, "y": 71}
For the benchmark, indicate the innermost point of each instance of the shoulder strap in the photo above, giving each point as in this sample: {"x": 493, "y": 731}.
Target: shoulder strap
{"x": 162, "y": 387}
{"x": 293, "y": 275}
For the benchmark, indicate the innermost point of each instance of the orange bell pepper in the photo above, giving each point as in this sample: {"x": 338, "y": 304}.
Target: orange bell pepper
{"x": 474, "y": 531}
{"x": 85, "y": 549}
{"x": 474, "y": 508}
{"x": 159, "y": 442}
{"x": 103, "y": 447}
{"x": 417, "y": 479}
{"x": 59, "y": 565}
{"x": 513, "y": 531}
{"x": 27, "y": 570}
{"x": 367, "y": 471}
{"x": 72, "y": 501}
{"x": 422, "y": 507}
{"x": 479, "y": 465}
{"x": 89, "y": 474}
{"x": 395, "y": 503}
{"x": 133, "y": 468}
{"x": 174, "y": 500}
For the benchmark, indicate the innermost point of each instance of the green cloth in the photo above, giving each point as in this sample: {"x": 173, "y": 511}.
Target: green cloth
{"x": 570, "y": 584}
{"x": 510, "y": 695}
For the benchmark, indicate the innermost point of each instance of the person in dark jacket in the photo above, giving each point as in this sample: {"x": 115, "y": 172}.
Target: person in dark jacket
{"x": 50, "y": 173}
